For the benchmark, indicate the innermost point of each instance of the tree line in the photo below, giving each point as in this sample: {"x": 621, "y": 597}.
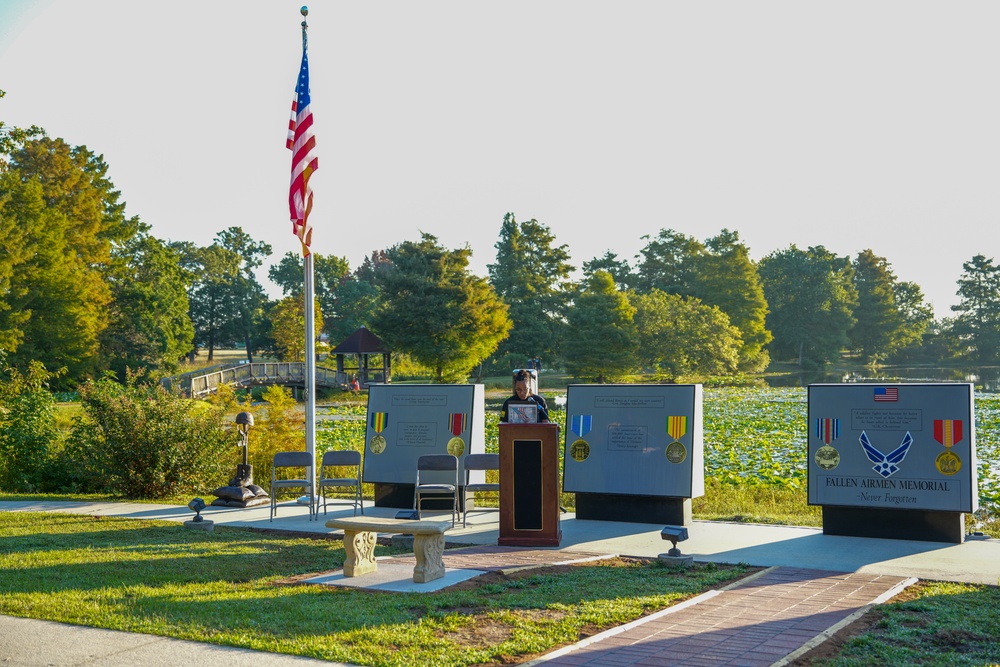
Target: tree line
{"x": 86, "y": 289}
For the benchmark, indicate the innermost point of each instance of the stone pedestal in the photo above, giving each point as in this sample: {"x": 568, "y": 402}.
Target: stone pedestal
{"x": 205, "y": 524}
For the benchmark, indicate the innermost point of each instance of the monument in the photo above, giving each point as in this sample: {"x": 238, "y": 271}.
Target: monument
{"x": 894, "y": 461}
{"x": 407, "y": 421}
{"x": 634, "y": 452}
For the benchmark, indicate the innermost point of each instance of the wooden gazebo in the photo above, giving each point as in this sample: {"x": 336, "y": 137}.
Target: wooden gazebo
{"x": 354, "y": 354}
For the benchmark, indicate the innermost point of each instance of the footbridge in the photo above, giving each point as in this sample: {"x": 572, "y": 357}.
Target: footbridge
{"x": 290, "y": 374}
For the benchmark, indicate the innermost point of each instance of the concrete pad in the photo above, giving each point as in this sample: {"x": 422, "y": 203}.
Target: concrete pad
{"x": 977, "y": 560}
{"x": 394, "y": 578}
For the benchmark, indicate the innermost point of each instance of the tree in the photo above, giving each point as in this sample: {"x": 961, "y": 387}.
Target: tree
{"x": 227, "y": 301}
{"x": 890, "y": 315}
{"x": 619, "y": 269}
{"x": 531, "y": 275}
{"x": 811, "y": 297}
{"x": 601, "y": 334}
{"x": 288, "y": 325}
{"x": 12, "y": 137}
{"x": 21, "y": 206}
{"x": 727, "y": 279}
{"x": 149, "y": 326}
{"x": 917, "y": 314}
{"x": 329, "y": 274}
{"x": 977, "y": 323}
{"x": 669, "y": 263}
{"x": 876, "y": 318}
{"x": 435, "y": 310}
{"x": 60, "y": 290}
{"x": 719, "y": 273}
{"x": 215, "y": 269}
{"x": 355, "y": 302}
{"x": 247, "y": 296}
{"x": 680, "y": 336}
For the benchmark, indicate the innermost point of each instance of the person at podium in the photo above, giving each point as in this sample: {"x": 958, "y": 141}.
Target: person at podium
{"x": 524, "y": 407}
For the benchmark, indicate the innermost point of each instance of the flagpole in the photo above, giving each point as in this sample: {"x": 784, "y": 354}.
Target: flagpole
{"x": 310, "y": 317}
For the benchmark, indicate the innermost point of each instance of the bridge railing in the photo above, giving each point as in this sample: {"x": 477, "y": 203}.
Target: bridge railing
{"x": 271, "y": 372}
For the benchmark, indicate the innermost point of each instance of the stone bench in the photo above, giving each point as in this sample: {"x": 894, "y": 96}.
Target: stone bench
{"x": 359, "y": 544}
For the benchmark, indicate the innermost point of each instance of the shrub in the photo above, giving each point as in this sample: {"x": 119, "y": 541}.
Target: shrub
{"x": 143, "y": 441}
{"x": 29, "y": 439}
{"x": 278, "y": 427}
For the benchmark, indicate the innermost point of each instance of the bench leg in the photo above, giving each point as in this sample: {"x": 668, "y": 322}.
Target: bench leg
{"x": 429, "y": 550}
{"x": 359, "y": 548}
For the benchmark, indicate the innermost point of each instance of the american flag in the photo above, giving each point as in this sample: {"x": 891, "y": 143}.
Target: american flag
{"x": 888, "y": 394}
{"x": 302, "y": 143}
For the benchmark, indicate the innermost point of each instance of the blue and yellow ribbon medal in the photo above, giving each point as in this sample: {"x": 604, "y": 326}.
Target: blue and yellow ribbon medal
{"x": 379, "y": 420}
{"x": 580, "y": 425}
{"x": 827, "y": 457}
{"x": 948, "y": 432}
{"x": 457, "y": 422}
{"x": 677, "y": 426}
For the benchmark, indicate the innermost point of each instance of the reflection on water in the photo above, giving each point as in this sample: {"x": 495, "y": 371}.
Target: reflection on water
{"x": 985, "y": 378}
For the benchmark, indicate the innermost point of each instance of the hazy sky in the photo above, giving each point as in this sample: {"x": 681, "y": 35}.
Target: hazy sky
{"x": 847, "y": 124}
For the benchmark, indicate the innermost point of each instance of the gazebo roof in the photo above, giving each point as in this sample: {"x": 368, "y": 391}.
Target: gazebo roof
{"x": 361, "y": 341}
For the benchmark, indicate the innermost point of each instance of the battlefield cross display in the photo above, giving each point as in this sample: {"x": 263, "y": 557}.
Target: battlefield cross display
{"x": 894, "y": 460}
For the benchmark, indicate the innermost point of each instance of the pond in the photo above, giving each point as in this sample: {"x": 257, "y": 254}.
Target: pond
{"x": 985, "y": 378}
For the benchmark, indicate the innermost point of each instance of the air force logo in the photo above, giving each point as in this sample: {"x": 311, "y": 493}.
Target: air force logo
{"x": 885, "y": 464}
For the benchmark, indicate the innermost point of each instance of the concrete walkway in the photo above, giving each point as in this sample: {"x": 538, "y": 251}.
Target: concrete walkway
{"x": 816, "y": 582}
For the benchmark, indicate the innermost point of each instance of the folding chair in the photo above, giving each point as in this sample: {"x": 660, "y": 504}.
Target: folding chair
{"x": 292, "y": 460}
{"x": 477, "y": 462}
{"x": 437, "y": 463}
{"x": 342, "y": 458}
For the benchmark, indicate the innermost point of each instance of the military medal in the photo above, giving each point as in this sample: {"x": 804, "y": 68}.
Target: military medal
{"x": 379, "y": 420}
{"x": 677, "y": 426}
{"x": 457, "y": 422}
{"x": 580, "y": 425}
{"x": 827, "y": 457}
{"x": 948, "y": 432}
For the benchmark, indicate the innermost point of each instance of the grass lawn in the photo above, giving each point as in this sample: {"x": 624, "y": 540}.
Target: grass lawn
{"x": 930, "y": 623}
{"x": 230, "y": 587}
{"x": 234, "y": 587}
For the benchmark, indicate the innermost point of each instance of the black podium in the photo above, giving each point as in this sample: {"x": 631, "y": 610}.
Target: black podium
{"x": 529, "y": 485}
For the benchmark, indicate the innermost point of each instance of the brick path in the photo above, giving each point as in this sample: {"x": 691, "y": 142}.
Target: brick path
{"x": 756, "y": 622}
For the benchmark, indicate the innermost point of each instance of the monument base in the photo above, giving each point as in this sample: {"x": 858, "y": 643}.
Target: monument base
{"x": 676, "y": 561}
{"x": 922, "y": 525}
{"x": 401, "y": 496}
{"x": 205, "y": 524}
{"x": 633, "y": 509}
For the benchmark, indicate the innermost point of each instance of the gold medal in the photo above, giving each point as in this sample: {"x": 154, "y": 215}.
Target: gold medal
{"x": 456, "y": 446}
{"x": 377, "y": 445}
{"x": 827, "y": 457}
{"x": 948, "y": 463}
{"x": 676, "y": 452}
{"x": 580, "y": 450}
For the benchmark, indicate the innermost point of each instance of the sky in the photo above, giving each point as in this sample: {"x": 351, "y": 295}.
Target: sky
{"x": 851, "y": 125}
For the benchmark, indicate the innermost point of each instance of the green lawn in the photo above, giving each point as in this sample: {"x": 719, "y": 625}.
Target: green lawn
{"x": 227, "y": 587}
